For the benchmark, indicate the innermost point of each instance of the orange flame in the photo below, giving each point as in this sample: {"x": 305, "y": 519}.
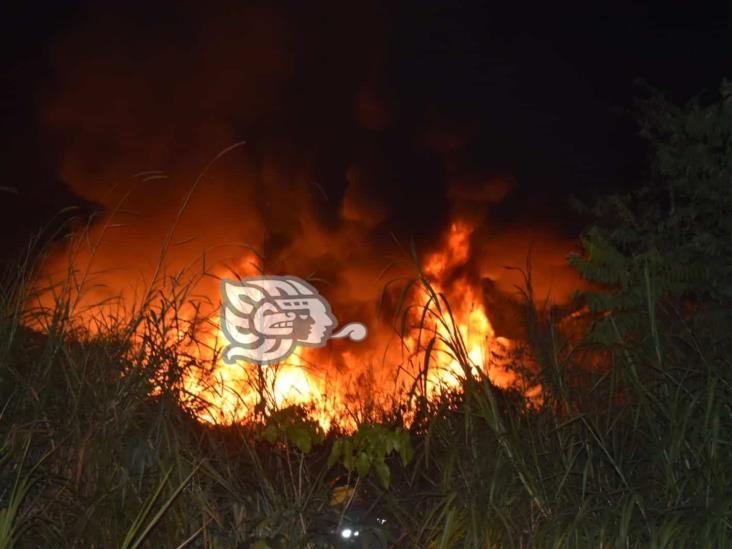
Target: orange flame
{"x": 375, "y": 373}
{"x": 483, "y": 350}
{"x": 232, "y": 393}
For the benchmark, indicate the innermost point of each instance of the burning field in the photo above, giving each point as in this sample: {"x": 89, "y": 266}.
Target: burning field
{"x": 534, "y": 373}
{"x": 427, "y": 314}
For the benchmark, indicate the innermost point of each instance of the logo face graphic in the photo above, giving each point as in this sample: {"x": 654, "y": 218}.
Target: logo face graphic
{"x": 265, "y": 318}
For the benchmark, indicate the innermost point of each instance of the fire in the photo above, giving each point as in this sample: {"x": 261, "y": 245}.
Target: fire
{"x": 232, "y": 393}
{"x": 235, "y": 392}
{"x": 484, "y": 350}
{"x": 333, "y": 382}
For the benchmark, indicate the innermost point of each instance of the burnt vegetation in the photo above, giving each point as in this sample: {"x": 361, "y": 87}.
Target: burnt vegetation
{"x": 630, "y": 445}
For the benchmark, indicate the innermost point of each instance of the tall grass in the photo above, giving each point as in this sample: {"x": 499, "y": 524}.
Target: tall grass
{"x": 100, "y": 448}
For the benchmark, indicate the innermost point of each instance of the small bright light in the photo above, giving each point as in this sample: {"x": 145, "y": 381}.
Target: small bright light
{"x": 355, "y": 533}
{"x": 346, "y": 533}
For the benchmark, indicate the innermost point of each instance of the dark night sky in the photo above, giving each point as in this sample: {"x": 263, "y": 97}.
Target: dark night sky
{"x": 539, "y": 94}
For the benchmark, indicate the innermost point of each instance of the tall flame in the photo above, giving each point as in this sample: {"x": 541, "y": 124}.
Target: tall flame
{"x": 467, "y": 313}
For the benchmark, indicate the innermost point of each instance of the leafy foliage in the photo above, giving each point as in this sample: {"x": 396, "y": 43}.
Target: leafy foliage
{"x": 366, "y": 450}
{"x": 292, "y": 425}
{"x": 671, "y": 238}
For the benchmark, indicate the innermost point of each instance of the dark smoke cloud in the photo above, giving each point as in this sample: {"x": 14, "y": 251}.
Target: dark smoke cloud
{"x": 341, "y": 151}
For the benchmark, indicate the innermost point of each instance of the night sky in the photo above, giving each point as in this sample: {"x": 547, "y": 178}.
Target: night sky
{"x": 438, "y": 99}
